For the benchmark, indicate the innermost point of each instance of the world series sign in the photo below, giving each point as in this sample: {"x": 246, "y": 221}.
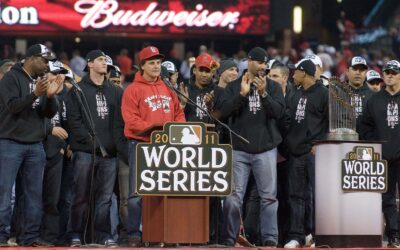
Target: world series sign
{"x": 183, "y": 160}
{"x": 364, "y": 170}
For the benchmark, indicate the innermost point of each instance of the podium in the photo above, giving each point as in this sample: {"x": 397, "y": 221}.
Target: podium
{"x": 175, "y": 219}
{"x": 170, "y": 219}
{"x": 344, "y": 219}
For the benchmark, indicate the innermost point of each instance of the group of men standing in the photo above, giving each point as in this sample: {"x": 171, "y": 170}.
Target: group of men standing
{"x": 94, "y": 128}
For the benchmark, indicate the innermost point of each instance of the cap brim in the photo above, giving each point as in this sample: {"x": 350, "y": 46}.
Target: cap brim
{"x": 203, "y": 66}
{"x": 361, "y": 64}
{"x": 392, "y": 69}
{"x": 158, "y": 56}
{"x": 49, "y": 57}
{"x": 374, "y": 78}
{"x": 59, "y": 71}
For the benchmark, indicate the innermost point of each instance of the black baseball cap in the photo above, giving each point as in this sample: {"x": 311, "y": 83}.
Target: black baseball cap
{"x": 91, "y": 56}
{"x": 40, "y": 50}
{"x": 357, "y": 60}
{"x": 307, "y": 66}
{"x": 6, "y": 62}
{"x": 392, "y": 65}
{"x": 258, "y": 54}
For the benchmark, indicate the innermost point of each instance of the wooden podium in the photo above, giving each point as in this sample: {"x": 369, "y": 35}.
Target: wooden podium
{"x": 175, "y": 219}
{"x": 171, "y": 219}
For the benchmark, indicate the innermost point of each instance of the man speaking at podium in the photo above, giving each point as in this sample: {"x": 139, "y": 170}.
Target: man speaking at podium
{"x": 147, "y": 102}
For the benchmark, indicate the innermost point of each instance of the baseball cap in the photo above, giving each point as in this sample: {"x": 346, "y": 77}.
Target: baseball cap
{"x": 170, "y": 66}
{"x": 224, "y": 65}
{"x": 56, "y": 67}
{"x": 109, "y": 63}
{"x": 270, "y": 64}
{"x": 357, "y": 60}
{"x": 70, "y": 75}
{"x": 315, "y": 59}
{"x": 392, "y": 65}
{"x": 372, "y": 74}
{"x": 149, "y": 52}
{"x": 207, "y": 61}
{"x": 307, "y": 66}
{"x": 115, "y": 72}
{"x": 91, "y": 56}
{"x": 40, "y": 50}
{"x": 258, "y": 54}
{"x": 6, "y": 62}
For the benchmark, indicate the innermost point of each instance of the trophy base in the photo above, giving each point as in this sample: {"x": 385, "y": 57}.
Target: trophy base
{"x": 337, "y": 136}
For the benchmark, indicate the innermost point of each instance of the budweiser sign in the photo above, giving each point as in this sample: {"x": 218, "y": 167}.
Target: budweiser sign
{"x": 100, "y": 14}
{"x": 134, "y": 18}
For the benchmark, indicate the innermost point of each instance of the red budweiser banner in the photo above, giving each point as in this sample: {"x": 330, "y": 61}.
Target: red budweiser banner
{"x": 124, "y": 18}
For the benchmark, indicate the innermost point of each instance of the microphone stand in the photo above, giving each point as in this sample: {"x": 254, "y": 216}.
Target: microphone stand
{"x": 169, "y": 84}
{"x": 92, "y": 132}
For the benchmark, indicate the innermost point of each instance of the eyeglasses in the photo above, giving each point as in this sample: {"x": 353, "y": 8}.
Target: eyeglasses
{"x": 374, "y": 82}
{"x": 390, "y": 72}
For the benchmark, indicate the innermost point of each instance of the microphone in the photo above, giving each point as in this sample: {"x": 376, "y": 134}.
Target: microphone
{"x": 168, "y": 82}
{"x": 165, "y": 77}
{"x": 73, "y": 82}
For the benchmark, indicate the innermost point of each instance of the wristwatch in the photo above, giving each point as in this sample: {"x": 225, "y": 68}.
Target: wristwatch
{"x": 264, "y": 94}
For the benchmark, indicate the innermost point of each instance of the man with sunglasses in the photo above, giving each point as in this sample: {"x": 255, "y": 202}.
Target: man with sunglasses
{"x": 27, "y": 98}
{"x": 380, "y": 122}
{"x": 374, "y": 80}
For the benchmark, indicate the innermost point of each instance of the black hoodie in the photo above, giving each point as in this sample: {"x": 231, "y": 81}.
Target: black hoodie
{"x": 53, "y": 144}
{"x": 196, "y": 94}
{"x": 359, "y": 99}
{"x": 309, "y": 118}
{"x": 103, "y": 101}
{"x": 380, "y": 122}
{"x": 254, "y": 117}
{"x": 22, "y": 114}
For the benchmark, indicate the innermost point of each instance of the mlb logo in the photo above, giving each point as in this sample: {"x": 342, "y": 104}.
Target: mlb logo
{"x": 185, "y": 134}
{"x": 364, "y": 153}
{"x": 154, "y": 50}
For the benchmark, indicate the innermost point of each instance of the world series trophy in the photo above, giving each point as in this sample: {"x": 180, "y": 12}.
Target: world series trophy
{"x": 342, "y": 113}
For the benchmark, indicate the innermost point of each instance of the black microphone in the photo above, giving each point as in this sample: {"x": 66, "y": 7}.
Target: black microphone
{"x": 165, "y": 77}
{"x": 73, "y": 82}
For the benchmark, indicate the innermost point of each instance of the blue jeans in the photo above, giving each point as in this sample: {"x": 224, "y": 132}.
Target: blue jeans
{"x": 301, "y": 173}
{"x": 64, "y": 204}
{"x": 263, "y": 166}
{"x": 30, "y": 160}
{"x": 389, "y": 204}
{"x": 104, "y": 180}
{"x": 134, "y": 200}
{"x": 123, "y": 181}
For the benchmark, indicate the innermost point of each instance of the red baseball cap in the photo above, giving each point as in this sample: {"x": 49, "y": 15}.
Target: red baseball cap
{"x": 149, "y": 52}
{"x": 207, "y": 61}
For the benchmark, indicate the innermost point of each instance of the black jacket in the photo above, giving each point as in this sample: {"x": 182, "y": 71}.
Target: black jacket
{"x": 104, "y": 104}
{"x": 359, "y": 99}
{"x": 380, "y": 122}
{"x": 53, "y": 144}
{"x": 196, "y": 94}
{"x": 309, "y": 118}
{"x": 254, "y": 117}
{"x": 22, "y": 114}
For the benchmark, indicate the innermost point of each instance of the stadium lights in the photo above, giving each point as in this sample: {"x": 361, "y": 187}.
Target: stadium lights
{"x": 297, "y": 19}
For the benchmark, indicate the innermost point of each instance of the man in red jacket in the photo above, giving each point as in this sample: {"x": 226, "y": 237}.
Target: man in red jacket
{"x": 146, "y": 102}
